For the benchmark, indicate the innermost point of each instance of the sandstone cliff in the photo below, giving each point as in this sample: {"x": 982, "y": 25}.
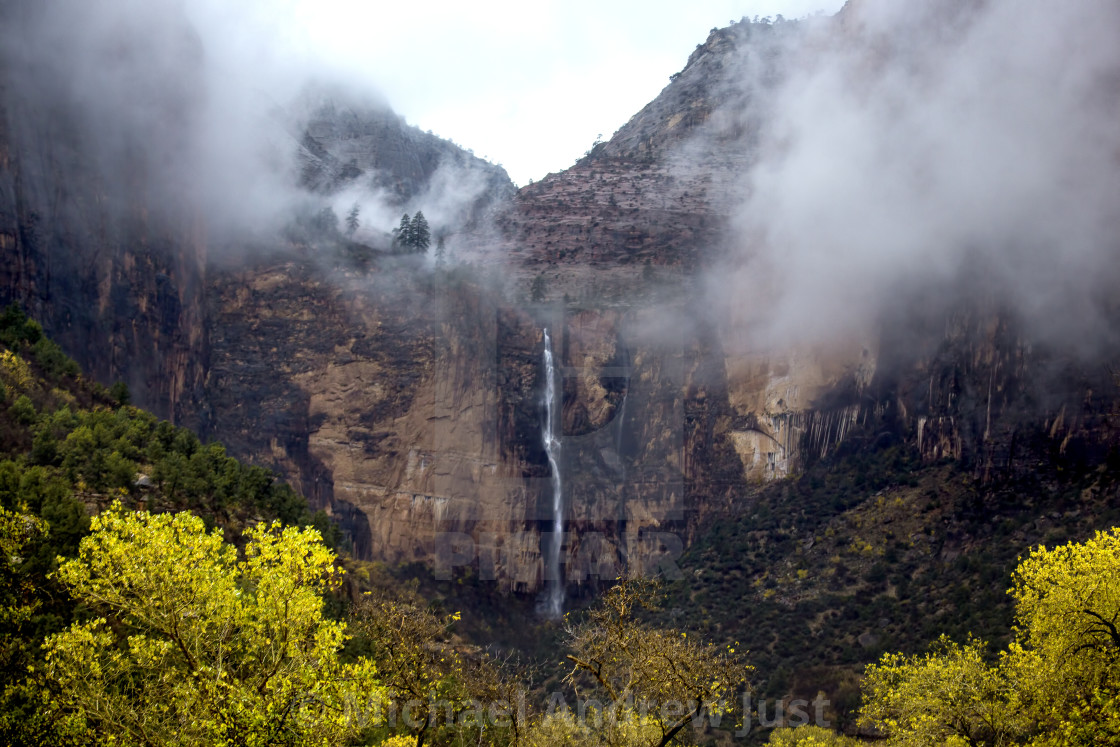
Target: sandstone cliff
{"x": 89, "y": 246}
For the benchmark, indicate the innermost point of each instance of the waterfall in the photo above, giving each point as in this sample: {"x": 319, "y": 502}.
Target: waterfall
{"x": 550, "y": 434}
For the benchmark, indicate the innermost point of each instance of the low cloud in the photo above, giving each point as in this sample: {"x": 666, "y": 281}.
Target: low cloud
{"x": 188, "y": 110}
{"x": 925, "y": 149}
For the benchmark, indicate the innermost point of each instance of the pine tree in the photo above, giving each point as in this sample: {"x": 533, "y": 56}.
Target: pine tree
{"x": 402, "y": 234}
{"x": 325, "y": 223}
{"x": 352, "y": 221}
{"x": 441, "y": 252}
{"x": 420, "y": 235}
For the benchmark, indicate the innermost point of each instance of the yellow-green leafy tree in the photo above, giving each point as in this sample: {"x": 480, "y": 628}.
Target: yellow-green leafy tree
{"x": 197, "y": 644}
{"x": 24, "y": 716}
{"x": 949, "y": 696}
{"x": 1057, "y": 683}
{"x": 17, "y": 600}
{"x": 650, "y": 682}
{"x": 593, "y": 728}
{"x": 1066, "y": 652}
{"x": 435, "y": 691}
{"x": 809, "y": 736}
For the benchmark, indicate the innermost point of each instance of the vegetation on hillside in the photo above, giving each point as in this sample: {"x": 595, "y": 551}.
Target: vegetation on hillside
{"x": 1056, "y": 683}
{"x": 69, "y": 449}
{"x": 188, "y": 640}
{"x": 871, "y": 551}
{"x": 192, "y": 642}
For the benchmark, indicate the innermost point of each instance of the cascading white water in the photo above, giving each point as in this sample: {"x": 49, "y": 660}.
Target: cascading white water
{"x": 551, "y": 437}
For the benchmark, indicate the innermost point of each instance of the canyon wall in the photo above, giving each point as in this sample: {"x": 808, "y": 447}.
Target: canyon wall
{"x": 405, "y": 398}
{"x": 89, "y": 245}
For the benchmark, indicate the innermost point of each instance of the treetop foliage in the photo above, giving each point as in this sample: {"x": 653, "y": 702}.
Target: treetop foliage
{"x": 68, "y": 448}
{"x": 1057, "y": 683}
{"x": 629, "y": 661}
{"x": 352, "y": 221}
{"x": 809, "y": 736}
{"x": 419, "y": 661}
{"x": 197, "y": 645}
{"x": 950, "y": 695}
{"x": 24, "y": 336}
{"x": 413, "y": 235}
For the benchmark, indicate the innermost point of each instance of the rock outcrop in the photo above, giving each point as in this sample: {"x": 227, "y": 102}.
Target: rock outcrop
{"x": 371, "y": 148}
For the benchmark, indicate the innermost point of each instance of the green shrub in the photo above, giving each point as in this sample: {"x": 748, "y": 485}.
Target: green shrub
{"x": 119, "y": 392}
{"x": 54, "y": 362}
{"x": 23, "y": 410}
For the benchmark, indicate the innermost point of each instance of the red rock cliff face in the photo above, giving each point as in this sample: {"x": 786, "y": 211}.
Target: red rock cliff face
{"x": 88, "y": 246}
{"x": 409, "y": 404}
{"x": 406, "y": 398}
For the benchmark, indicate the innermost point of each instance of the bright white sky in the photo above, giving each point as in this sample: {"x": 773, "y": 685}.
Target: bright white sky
{"x": 528, "y": 84}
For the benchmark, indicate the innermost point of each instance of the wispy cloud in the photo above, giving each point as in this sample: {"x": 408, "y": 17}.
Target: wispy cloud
{"x": 926, "y": 148}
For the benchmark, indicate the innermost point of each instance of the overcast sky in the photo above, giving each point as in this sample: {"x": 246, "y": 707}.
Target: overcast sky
{"x": 528, "y": 85}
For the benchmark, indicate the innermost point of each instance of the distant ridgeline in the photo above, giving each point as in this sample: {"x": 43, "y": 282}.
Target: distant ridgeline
{"x": 69, "y": 448}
